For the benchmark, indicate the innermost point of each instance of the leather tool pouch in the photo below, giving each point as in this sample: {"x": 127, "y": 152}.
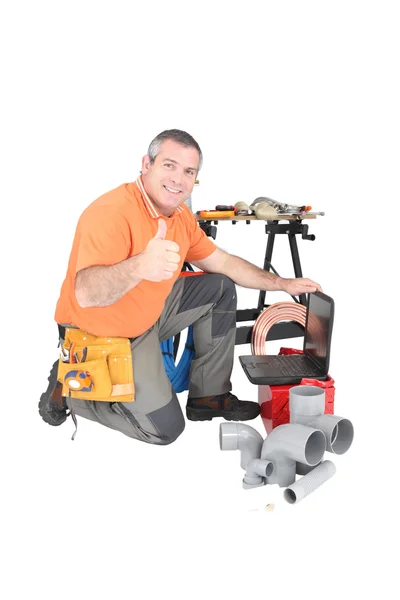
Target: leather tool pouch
{"x": 106, "y": 373}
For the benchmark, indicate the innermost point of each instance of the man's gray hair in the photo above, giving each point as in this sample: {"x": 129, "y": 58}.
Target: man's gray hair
{"x": 181, "y": 137}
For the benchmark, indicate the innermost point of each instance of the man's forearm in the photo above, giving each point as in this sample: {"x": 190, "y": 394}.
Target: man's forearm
{"x": 102, "y": 286}
{"x": 248, "y": 275}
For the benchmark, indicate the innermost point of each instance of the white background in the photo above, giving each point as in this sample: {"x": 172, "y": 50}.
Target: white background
{"x": 297, "y": 101}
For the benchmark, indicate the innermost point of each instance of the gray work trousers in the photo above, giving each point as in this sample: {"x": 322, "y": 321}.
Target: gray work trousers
{"x": 208, "y": 302}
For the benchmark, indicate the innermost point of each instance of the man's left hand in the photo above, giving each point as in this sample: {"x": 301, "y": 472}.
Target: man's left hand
{"x": 300, "y": 285}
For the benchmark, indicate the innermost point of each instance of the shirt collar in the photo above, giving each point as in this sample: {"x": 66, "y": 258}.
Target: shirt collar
{"x": 153, "y": 212}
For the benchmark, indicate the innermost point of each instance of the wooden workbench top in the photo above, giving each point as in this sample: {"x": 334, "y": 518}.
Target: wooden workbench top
{"x": 254, "y": 218}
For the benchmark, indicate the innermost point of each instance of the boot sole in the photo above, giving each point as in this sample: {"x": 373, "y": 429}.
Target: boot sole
{"x": 204, "y": 415}
{"x": 44, "y": 402}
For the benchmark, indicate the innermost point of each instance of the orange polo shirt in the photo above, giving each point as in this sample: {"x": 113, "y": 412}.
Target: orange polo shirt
{"x": 114, "y": 227}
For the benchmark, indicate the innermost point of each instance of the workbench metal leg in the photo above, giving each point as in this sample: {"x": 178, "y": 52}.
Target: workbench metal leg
{"x": 266, "y": 267}
{"x": 296, "y": 262}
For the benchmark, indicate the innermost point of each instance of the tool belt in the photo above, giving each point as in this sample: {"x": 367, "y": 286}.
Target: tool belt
{"x": 96, "y": 368}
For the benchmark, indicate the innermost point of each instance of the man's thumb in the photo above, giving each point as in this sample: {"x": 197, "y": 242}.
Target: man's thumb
{"x": 162, "y": 230}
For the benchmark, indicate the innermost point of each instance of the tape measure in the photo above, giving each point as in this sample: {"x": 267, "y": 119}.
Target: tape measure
{"x": 78, "y": 381}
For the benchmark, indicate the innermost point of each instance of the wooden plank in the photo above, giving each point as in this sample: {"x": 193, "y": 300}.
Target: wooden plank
{"x": 254, "y": 218}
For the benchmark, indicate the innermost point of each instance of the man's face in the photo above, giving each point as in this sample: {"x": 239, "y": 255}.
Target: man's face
{"x": 170, "y": 179}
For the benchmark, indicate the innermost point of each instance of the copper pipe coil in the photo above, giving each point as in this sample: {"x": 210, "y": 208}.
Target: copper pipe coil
{"x": 284, "y": 311}
{"x": 281, "y": 311}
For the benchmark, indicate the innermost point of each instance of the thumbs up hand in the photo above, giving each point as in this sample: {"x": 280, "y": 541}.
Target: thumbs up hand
{"x": 161, "y": 257}
{"x": 162, "y": 230}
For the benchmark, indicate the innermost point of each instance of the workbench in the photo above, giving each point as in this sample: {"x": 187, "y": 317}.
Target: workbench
{"x": 294, "y": 226}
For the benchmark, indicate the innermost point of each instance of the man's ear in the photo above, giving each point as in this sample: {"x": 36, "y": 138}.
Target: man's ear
{"x": 145, "y": 164}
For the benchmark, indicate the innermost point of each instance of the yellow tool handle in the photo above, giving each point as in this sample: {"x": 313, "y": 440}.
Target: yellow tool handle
{"x": 216, "y": 214}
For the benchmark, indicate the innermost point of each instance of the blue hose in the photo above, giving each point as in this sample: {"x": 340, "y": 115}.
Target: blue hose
{"x": 178, "y": 374}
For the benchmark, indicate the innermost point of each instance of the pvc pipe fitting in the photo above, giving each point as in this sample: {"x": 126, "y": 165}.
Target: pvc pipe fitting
{"x": 289, "y": 443}
{"x": 307, "y": 406}
{"x": 305, "y": 403}
{"x": 237, "y": 436}
{"x": 339, "y": 432}
{"x": 256, "y": 473}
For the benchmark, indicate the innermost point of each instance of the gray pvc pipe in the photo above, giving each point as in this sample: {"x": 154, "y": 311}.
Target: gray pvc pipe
{"x": 303, "y": 469}
{"x": 256, "y": 472}
{"x": 289, "y": 443}
{"x": 237, "y": 436}
{"x": 339, "y": 432}
{"x": 307, "y": 406}
{"x": 306, "y": 402}
{"x": 310, "y": 482}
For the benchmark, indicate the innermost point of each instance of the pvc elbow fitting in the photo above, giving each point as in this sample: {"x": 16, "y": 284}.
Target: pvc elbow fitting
{"x": 236, "y": 436}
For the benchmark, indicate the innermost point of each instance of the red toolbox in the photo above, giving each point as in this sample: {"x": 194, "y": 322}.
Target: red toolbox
{"x": 274, "y": 399}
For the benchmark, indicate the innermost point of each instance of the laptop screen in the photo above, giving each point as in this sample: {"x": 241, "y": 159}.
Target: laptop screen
{"x": 318, "y": 333}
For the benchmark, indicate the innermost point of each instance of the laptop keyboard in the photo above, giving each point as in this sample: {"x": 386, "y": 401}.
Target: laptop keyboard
{"x": 293, "y": 365}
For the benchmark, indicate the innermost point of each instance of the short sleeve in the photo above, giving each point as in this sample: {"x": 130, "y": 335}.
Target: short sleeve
{"x": 104, "y": 237}
{"x": 200, "y": 246}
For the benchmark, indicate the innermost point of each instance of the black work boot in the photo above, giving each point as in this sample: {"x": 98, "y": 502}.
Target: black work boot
{"x": 225, "y": 405}
{"x": 52, "y": 405}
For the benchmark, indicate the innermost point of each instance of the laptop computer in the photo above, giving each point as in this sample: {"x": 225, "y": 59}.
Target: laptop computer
{"x": 312, "y": 364}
